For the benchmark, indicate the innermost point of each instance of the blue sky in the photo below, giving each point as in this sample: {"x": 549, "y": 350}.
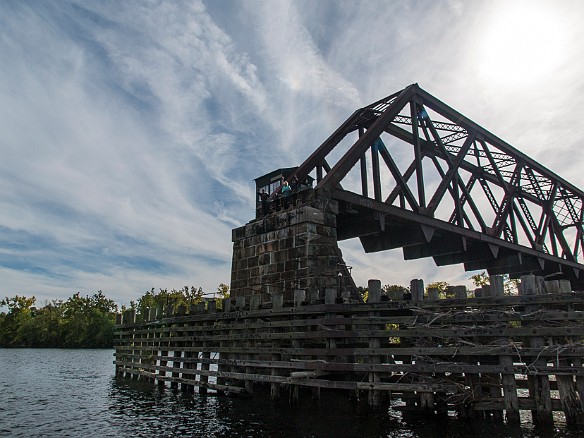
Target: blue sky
{"x": 131, "y": 131}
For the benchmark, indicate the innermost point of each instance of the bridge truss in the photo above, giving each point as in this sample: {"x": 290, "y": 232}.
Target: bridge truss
{"x": 411, "y": 172}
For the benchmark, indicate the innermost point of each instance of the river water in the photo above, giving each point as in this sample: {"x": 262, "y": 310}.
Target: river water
{"x": 58, "y": 393}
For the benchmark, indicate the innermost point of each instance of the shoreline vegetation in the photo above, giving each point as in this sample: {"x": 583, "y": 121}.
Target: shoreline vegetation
{"x": 82, "y": 321}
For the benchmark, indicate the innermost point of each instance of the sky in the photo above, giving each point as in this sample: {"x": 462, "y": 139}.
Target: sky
{"x": 131, "y": 131}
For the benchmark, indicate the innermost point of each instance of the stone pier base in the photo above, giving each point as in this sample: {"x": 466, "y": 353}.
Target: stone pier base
{"x": 295, "y": 249}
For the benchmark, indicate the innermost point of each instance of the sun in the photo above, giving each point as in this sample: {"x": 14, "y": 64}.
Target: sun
{"x": 521, "y": 44}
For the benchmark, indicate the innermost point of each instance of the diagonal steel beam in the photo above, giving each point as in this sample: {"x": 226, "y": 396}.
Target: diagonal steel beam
{"x": 452, "y": 173}
{"x": 348, "y": 160}
{"x": 405, "y": 190}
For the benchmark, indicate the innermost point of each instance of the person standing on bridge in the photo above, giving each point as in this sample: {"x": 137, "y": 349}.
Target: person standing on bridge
{"x": 286, "y": 194}
{"x": 264, "y": 199}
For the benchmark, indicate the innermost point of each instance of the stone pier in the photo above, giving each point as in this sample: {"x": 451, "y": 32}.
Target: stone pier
{"x": 291, "y": 250}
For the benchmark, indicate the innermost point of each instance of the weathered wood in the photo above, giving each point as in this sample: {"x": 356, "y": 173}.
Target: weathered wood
{"x": 497, "y": 285}
{"x": 357, "y": 347}
{"x": 539, "y": 387}
{"x": 417, "y": 290}
{"x": 569, "y": 397}
{"x": 509, "y": 391}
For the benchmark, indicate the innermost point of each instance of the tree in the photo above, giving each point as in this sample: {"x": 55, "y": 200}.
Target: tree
{"x": 480, "y": 280}
{"x": 88, "y": 321}
{"x": 20, "y": 312}
{"x": 186, "y": 296}
{"x": 364, "y": 292}
{"x": 510, "y": 284}
{"x": 390, "y": 290}
{"x": 222, "y": 293}
{"x": 442, "y": 287}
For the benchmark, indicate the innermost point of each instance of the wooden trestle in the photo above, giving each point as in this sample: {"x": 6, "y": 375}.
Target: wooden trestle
{"x": 474, "y": 357}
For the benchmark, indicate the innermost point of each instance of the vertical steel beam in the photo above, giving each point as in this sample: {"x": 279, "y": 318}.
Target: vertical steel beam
{"x": 364, "y": 189}
{"x": 376, "y": 172}
{"x": 418, "y": 154}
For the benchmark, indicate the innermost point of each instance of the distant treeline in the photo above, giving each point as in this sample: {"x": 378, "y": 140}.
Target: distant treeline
{"x": 80, "y": 321}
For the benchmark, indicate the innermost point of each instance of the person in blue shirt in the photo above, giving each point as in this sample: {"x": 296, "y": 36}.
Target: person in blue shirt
{"x": 286, "y": 194}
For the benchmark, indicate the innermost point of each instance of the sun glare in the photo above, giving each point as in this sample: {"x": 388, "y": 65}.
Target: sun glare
{"x": 521, "y": 43}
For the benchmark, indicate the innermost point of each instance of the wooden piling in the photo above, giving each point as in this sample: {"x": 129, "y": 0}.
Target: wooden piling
{"x": 539, "y": 385}
{"x": 374, "y": 396}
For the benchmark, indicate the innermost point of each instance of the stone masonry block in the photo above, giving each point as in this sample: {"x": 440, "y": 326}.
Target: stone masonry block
{"x": 252, "y": 262}
{"x": 272, "y": 246}
{"x": 301, "y": 239}
{"x": 306, "y": 228}
{"x": 264, "y": 259}
{"x": 308, "y": 214}
{"x": 276, "y": 257}
{"x": 288, "y": 275}
{"x": 238, "y": 234}
{"x": 331, "y": 221}
{"x": 326, "y": 231}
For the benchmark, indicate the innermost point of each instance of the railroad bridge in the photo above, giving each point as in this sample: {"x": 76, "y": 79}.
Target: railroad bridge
{"x": 407, "y": 171}
{"x": 410, "y": 172}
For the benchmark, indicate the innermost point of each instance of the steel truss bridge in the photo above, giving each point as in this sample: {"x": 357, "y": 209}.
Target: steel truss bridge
{"x": 409, "y": 171}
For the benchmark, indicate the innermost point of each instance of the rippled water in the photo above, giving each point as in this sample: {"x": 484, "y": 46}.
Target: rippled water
{"x": 46, "y": 393}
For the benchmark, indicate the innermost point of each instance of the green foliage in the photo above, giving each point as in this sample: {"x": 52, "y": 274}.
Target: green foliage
{"x": 442, "y": 287}
{"x": 164, "y": 298}
{"x": 391, "y": 290}
{"x": 364, "y": 292}
{"x": 83, "y": 321}
{"x": 13, "y": 324}
{"x": 79, "y": 322}
{"x": 222, "y": 293}
{"x": 510, "y": 284}
{"x": 480, "y": 279}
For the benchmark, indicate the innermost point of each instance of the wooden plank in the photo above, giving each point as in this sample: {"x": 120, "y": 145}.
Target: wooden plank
{"x": 525, "y": 404}
{"x": 425, "y": 367}
{"x": 569, "y": 397}
{"x": 567, "y": 298}
{"x": 509, "y": 391}
{"x": 468, "y": 332}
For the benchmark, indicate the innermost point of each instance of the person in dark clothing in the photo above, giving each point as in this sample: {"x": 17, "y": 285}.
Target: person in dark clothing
{"x": 264, "y": 199}
{"x": 294, "y": 185}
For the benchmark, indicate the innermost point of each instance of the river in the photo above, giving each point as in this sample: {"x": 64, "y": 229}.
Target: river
{"x": 59, "y": 393}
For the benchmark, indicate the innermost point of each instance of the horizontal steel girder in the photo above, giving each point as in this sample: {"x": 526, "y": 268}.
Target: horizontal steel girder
{"x": 420, "y": 235}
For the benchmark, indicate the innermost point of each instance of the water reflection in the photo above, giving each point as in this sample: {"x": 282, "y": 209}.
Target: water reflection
{"x": 143, "y": 410}
{"x": 55, "y": 393}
